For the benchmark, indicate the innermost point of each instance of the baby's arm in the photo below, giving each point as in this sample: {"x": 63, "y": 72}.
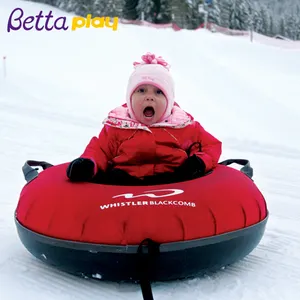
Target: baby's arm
{"x": 99, "y": 149}
{"x": 211, "y": 148}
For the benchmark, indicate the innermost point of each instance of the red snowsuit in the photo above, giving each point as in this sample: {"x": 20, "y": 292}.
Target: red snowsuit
{"x": 143, "y": 151}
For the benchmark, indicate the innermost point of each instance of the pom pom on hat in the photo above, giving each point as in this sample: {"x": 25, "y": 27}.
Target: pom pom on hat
{"x": 150, "y": 58}
{"x": 155, "y": 71}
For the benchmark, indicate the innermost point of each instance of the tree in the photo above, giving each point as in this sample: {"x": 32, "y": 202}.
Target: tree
{"x": 98, "y": 8}
{"x": 265, "y": 20}
{"x": 298, "y": 22}
{"x": 179, "y": 9}
{"x": 108, "y": 8}
{"x": 193, "y": 18}
{"x": 256, "y": 18}
{"x": 272, "y": 29}
{"x": 130, "y": 12}
{"x": 245, "y": 8}
{"x": 291, "y": 26}
{"x": 146, "y": 9}
{"x": 67, "y": 5}
{"x": 164, "y": 14}
{"x": 214, "y": 13}
{"x": 82, "y": 8}
{"x": 225, "y": 7}
{"x": 282, "y": 27}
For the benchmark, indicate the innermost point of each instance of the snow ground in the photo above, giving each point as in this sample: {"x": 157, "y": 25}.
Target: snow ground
{"x": 60, "y": 85}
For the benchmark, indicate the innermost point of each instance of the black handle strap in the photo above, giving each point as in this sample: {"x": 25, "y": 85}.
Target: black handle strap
{"x": 144, "y": 264}
{"x": 29, "y": 172}
{"x": 246, "y": 169}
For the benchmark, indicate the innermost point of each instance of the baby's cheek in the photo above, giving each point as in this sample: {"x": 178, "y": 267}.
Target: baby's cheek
{"x": 137, "y": 108}
{"x": 160, "y": 109}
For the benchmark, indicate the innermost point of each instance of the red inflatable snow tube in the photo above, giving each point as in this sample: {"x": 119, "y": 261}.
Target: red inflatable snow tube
{"x": 140, "y": 233}
{"x": 223, "y": 201}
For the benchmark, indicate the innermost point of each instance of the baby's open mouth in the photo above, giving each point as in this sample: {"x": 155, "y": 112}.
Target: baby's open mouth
{"x": 149, "y": 112}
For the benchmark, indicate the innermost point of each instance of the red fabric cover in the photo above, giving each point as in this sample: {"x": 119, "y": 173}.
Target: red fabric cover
{"x": 224, "y": 201}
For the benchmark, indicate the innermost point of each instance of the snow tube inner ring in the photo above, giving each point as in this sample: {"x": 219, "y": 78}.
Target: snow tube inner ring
{"x": 31, "y": 173}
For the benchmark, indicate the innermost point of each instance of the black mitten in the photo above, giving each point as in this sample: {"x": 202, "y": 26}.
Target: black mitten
{"x": 193, "y": 167}
{"x": 81, "y": 169}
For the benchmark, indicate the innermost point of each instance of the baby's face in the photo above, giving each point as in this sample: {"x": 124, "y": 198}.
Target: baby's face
{"x": 148, "y": 104}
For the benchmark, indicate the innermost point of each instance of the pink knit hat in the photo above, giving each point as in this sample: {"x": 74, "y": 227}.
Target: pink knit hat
{"x": 152, "y": 70}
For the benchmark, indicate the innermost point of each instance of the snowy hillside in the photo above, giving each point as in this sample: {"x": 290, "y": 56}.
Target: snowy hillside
{"x": 59, "y": 85}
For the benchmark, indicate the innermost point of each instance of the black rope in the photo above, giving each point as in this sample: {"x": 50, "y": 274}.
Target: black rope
{"x": 144, "y": 263}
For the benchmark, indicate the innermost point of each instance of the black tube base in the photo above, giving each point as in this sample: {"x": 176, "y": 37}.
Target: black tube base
{"x": 119, "y": 263}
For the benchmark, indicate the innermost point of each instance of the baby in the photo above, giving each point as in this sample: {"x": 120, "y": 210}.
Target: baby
{"x": 150, "y": 139}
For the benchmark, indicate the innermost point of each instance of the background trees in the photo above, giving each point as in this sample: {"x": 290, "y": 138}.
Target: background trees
{"x": 268, "y": 17}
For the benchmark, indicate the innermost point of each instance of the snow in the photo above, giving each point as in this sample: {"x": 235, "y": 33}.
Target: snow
{"x": 61, "y": 84}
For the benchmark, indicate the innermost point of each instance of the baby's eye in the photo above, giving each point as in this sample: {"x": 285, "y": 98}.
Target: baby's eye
{"x": 160, "y": 92}
{"x": 141, "y": 90}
